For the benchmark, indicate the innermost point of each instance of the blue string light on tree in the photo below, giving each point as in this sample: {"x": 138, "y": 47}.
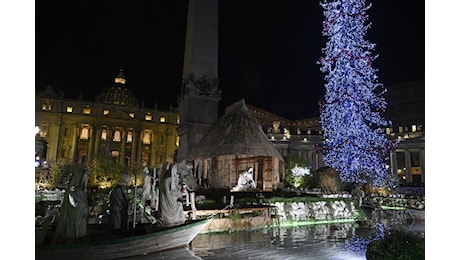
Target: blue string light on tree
{"x": 354, "y": 143}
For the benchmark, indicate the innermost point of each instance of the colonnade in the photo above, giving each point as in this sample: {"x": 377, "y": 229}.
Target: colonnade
{"x": 138, "y": 153}
{"x": 408, "y": 170}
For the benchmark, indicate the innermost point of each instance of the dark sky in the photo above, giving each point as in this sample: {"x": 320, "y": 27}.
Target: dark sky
{"x": 267, "y": 49}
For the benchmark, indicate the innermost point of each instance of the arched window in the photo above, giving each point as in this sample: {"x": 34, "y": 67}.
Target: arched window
{"x": 104, "y": 134}
{"x": 116, "y": 136}
{"x": 129, "y": 137}
{"x": 146, "y": 138}
{"x": 84, "y": 133}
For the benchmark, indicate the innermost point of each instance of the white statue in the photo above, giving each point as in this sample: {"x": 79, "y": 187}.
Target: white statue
{"x": 245, "y": 180}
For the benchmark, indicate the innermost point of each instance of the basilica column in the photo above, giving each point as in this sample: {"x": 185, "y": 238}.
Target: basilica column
{"x": 91, "y": 143}
{"x": 123, "y": 146}
{"x": 134, "y": 148}
{"x": 422, "y": 164}
{"x": 393, "y": 164}
{"x": 167, "y": 145}
{"x": 97, "y": 140}
{"x": 408, "y": 166}
{"x": 53, "y": 153}
{"x": 108, "y": 141}
{"x": 153, "y": 149}
{"x": 316, "y": 160}
{"x": 139, "y": 147}
{"x": 75, "y": 144}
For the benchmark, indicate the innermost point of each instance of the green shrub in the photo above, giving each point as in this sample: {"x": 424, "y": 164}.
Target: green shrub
{"x": 396, "y": 245}
{"x": 300, "y": 181}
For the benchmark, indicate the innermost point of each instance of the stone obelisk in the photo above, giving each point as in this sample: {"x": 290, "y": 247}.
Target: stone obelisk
{"x": 200, "y": 95}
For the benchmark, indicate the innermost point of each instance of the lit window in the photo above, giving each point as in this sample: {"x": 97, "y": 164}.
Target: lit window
{"x": 69, "y": 109}
{"x": 162, "y": 119}
{"x": 86, "y": 110}
{"x": 104, "y": 134}
{"x": 414, "y": 128}
{"x": 131, "y": 115}
{"x": 148, "y": 117}
{"x": 105, "y": 112}
{"x": 177, "y": 140}
{"x": 129, "y": 137}
{"x": 84, "y": 133}
{"x": 43, "y": 129}
{"x": 46, "y": 106}
{"x": 178, "y": 120}
{"x": 116, "y": 136}
{"x": 388, "y": 130}
{"x": 400, "y": 129}
{"x": 146, "y": 138}
{"x": 115, "y": 155}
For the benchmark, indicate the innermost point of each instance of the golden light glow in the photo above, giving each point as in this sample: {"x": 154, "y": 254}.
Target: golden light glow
{"x": 104, "y": 134}
{"x": 148, "y": 117}
{"x": 115, "y": 154}
{"x": 131, "y": 115}
{"x": 162, "y": 119}
{"x": 146, "y": 138}
{"x": 46, "y": 106}
{"x": 116, "y": 136}
{"x": 105, "y": 112}
{"x": 120, "y": 80}
{"x": 69, "y": 109}
{"x": 43, "y": 129}
{"x": 87, "y": 110}
{"x": 84, "y": 133}
{"x": 129, "y": 137}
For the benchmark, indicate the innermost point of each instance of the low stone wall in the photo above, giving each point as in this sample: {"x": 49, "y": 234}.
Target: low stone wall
{"x": 409, "y": 202}
{"x": 322, "y": 210}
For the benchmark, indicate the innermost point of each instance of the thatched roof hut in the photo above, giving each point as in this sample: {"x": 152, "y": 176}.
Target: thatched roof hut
{"x": 234, "y": 143}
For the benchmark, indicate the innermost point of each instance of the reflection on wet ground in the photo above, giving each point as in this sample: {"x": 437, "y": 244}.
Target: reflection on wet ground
{"x": 325, "y": 241}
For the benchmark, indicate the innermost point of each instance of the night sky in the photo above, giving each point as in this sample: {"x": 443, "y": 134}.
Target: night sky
{"x": 268, "y": 50}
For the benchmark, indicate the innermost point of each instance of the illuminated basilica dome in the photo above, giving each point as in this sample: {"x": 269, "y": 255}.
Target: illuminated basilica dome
{"x": 118, "y": 94}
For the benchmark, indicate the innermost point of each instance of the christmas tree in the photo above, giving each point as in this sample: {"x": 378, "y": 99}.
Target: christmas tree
{"x": 354, "y": 143}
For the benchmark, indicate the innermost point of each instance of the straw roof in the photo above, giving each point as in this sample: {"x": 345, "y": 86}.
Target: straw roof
{"x": 236, "y": 132}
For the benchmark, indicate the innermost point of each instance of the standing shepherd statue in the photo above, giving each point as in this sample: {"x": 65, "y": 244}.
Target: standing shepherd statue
{"x": 171, "y": 211}
{"x": 73, "y": 216}
{"x": 119, "y": 202}
{"x": 149, "y": 200}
